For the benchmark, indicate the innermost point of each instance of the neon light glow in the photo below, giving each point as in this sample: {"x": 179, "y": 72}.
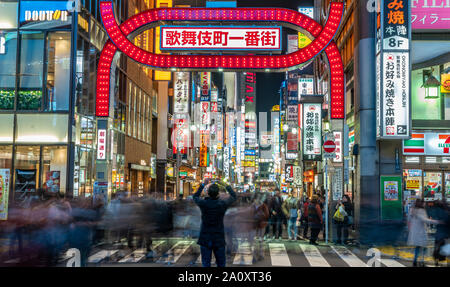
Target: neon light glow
{"x": 278, "y": 63}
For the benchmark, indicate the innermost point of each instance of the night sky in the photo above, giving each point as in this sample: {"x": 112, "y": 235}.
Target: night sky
{"x": 267, "y": 90}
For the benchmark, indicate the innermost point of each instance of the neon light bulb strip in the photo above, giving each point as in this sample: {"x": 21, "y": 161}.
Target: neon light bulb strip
{"x": 323, "y": 38}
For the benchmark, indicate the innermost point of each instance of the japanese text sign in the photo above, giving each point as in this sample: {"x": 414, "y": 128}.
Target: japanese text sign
{"x": 338, "y": 142}
{"x": 181, "y": 136}
{"x": 220, "y": 38}
{"x": 395, "y": 90}
{"x": 312, "y": 131}
{"x": 396, "y": 29}
{"x": 181, "y": 93}
{"x": 393, "y": 71}
{"x": 305, "y": 86}
{"x": 205, "y": 82}
{"x": 101, "y": 144}
{"x": 430, "y": 15}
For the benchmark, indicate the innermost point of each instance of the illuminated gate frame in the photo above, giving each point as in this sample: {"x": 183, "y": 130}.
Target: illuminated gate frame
{"x": 323, "y": 40}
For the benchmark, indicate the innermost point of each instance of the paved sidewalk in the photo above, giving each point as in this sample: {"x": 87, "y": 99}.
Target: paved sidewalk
{"x": 407, "y": 253}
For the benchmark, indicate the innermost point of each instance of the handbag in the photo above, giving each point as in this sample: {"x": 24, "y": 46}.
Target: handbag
{"x": 338, "y": 216}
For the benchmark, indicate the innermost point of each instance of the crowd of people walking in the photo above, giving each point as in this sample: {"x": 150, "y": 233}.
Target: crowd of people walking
{"x": 42, "y": 227}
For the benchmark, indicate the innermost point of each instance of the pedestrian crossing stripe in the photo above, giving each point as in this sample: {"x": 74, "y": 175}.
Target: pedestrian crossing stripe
{"x": 312, "y": 254}
{"x": 134, "y": 257}
{"x": 139, "y": 254}
{"x": 173, "y": 254}
{"x": 348, "y": 257}
{"x": 391, "y": 263}
{"x": 101, "y": 255}
{"x": 244, "y": 255}
{"x": 278, "y": 255}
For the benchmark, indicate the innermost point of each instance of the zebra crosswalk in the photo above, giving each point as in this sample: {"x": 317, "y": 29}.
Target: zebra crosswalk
{"x": 351, "y": 259}
{"x": 314, "y": 256}
{"x": 182, "y": 252}
{"x": 278, "y": 255}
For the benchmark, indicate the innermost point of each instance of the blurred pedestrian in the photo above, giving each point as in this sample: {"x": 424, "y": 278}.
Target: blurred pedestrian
{"x": 81, "y": 235}
{"x": 315, "y": 219}
{"x": 417, "y": 229}
{"x": 291, "y": 208}
{"x": 442, "y": 230}
{"x": 342, "y": 226}
{"x": 212, "y": 234}
{"x": 267, "y": 201}
{"x": 56, "y": 229}
{"x": 261, "y": 216}
{"x": 304, "y": 218}
{"x": 276, "y": 215}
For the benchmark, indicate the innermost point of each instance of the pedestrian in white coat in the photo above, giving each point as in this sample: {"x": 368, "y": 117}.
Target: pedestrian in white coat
{"x": 417, "y": 228}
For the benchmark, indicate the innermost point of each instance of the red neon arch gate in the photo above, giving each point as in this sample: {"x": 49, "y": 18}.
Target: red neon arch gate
{"x": 322, "y": 42}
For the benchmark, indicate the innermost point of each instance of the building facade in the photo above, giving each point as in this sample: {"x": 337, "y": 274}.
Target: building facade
{"x": 49, "y": 133}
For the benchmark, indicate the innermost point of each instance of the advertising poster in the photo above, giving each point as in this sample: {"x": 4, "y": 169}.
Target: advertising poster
{"x": 25, "y": 180}
{"x": 52, "y": 181}
{"x": 391, "y": 197}
{"x": 390, "y": 190}
{"x": 413, "y": 184}
{"x": 4, "y": 193}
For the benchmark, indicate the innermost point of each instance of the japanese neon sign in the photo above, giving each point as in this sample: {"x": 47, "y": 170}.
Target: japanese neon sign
{"x": 220, "y": 38}
{"x": 101, "y": 144}
{"x": 393, "y": 71}
{"x": 323, "y": 41}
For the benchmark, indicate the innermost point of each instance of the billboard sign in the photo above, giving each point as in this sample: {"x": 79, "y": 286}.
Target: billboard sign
{"x": 338, "y": 142}
{"x": 305, "y": 86}
{"x": 205, "y": 78}
{"x": 312, "y": 131}
{"x": 393, "y": 69}
{"x": 181, "y": 93}
{"x": 101, "y": 144}
{"x": 437, "y": 144}
{"x": 430, "y": 15}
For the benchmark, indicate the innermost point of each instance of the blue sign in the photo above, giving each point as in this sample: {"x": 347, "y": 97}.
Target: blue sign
{"x": 221, "y": 4}
{"x": 39, "y": 11}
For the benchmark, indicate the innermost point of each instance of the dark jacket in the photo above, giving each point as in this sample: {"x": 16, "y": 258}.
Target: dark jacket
{"x": 348, "y": 207}
{"x": 305, "y": 211}
{"x": 314, "y": 215}
{"x": 275, "y": 205}
{"x": 212, "y": 232}
{"x": 443, "y": 229}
